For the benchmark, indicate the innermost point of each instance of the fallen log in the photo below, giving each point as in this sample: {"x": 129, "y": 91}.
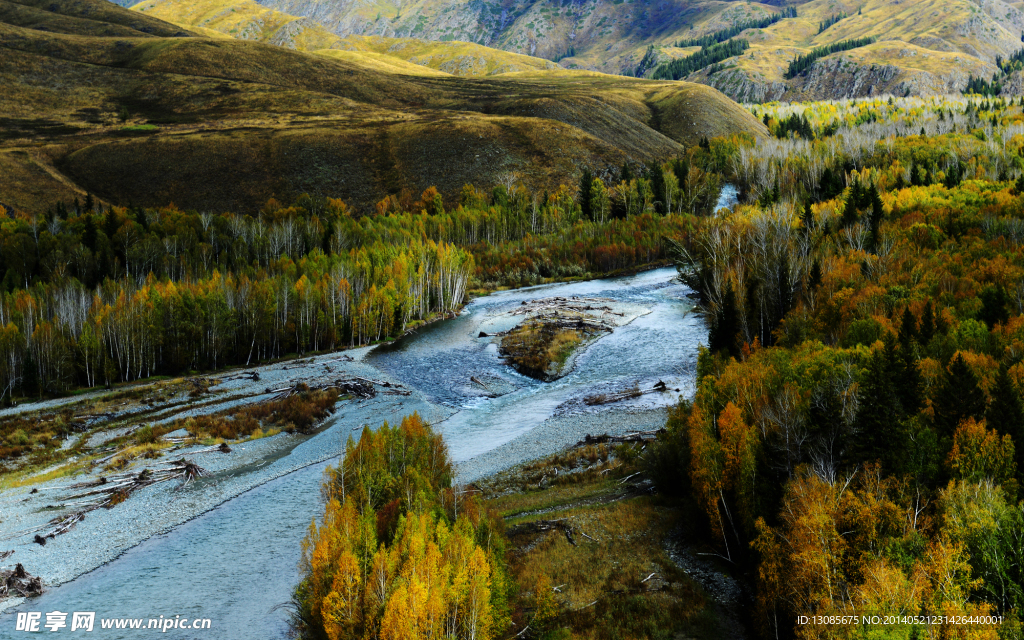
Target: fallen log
{"x": 633, "y": 392}
{"x": 639, "y": 436}
{"x": 542, "y": 526}
{"x": 114, "y": 491}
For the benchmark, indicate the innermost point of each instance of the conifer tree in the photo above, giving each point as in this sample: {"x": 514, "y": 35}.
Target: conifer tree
{"x": 1005, "y": 413}
{"x": 958, "y": 397}
{"x": 658, "y": 187}
{"x": 625, "y": 175}
{"x": 879, "y": 411}
{"x": 908, "y": 329}
{"x": 808, "y": 217}
{"x": 587, "y": 195}
{"x": 726, "y": 324}
{"x": 927, "y": 325}
{"x": 89, "y": 233}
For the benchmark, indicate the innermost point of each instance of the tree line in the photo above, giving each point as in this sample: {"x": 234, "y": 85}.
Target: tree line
{"x": 708, "y": 55}
{"x": 739, "y": 27}
{"x": 94, "y": 295}
{"x": 803, "y": 62}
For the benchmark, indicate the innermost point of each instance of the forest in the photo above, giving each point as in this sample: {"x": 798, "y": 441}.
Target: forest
{"x": 708, "y": 55}
{"x": 738, "y": 28}
{"x": 96, "y": 294}
{"x": 802, "y": 63}
{"x": 855, "y": 439}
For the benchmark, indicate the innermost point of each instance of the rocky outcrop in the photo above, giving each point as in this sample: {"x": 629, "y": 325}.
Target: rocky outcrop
{"x": 840, "y": 77}
{"x": 742, "y": 88}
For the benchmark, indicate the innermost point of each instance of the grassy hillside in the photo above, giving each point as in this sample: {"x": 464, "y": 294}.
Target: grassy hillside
{"x": 247, "y": 20}
{"x": 956, "y": 38}
{"x": 922, "y": 47}
{"x": 225, "y": 124}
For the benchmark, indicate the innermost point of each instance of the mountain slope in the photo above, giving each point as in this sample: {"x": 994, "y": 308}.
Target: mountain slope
{"x": 223, "y": 124}
{"x": 614, "y": 36}
{"x": 247, "y": 20}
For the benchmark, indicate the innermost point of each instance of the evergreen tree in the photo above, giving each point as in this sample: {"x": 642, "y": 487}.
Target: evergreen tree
{"x": 90, "y": 204}
{"x": 587, "y": 194}
{"x": 658, "y": 187}
{"x": 110, "y": 225}
{"x": 879, "y": 412}
{"x": 89, "y": 232}
{"x": 625, "y": 175}
{"x": 908, "y": 329}
{"x": 814, "y": 279}
{"x": 726, "y": 325}
{"x": 1005, "y": 413}
{"x": 908, "y": 379}
{"x": 785, "y": 288}
{"x": 957, "y": 398}
{"x": 808, "y": 217}
{"x": 876, "y": 214}
{"x": 140, "y": 218}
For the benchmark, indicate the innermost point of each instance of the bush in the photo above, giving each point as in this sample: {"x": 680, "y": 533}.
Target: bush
{"x": 19, "y": 438}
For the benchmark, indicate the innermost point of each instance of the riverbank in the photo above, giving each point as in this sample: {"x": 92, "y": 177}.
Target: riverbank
{"x": 513, "y": 420}
{"x": 106, "y": 533}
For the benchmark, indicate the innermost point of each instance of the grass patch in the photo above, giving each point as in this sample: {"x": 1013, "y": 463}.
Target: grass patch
{"x": 299, "y": 412}
{"x": 602, "y": 592}
{"x": 540, "y": 349}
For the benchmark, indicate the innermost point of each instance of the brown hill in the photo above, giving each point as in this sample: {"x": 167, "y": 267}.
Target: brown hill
{"x": 220, "y": 124}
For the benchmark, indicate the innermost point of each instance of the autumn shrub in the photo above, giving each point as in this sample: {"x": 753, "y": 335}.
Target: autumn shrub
{"x": 298, "y": 412}
{"x": 534, "y": 346}
{"x": 145, "y": 435}
{"x": 399, "y": 553}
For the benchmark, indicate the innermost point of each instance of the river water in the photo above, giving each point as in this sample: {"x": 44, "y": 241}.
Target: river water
{"x": 237, "y": 564}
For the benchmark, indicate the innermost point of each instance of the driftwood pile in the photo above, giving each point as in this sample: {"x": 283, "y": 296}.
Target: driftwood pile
{"x": 362, "y": 388}
{"x": 632, "y": 392}
{"x": 558, "y": 303}
{"x": 543, "y": 526}
{"x": 19, "y": 583}
{"x": 636, "y": 436}
{"x": 579, "y": 314}
{"x": 108, "y": 492}
{"x": 254, "y": 376}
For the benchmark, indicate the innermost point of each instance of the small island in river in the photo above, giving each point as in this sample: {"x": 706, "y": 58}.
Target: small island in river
{"x": 555, "y": 330}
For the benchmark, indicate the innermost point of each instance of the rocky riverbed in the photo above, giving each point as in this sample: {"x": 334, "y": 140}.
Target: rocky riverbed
{"x": 492, "y": 423}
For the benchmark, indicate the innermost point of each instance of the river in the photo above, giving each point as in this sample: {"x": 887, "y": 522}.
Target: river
{"x": 237, "y": 564}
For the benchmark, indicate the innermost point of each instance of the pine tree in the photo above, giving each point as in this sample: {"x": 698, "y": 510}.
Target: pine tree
{"x": 1005, "y": 413}
{"x": 879, "y": 412}
{"x": 876, "y": 214}
{"x": 658, "y": 187}
{"x": 808, "y": 218}
{"x": 625, "y": 175}
{"x": 726, "y": 325}
{"x": 110, "y": 225}
{"x": 814, "y": 279}
{"x": 908, "y": 329}
{"x": 89, "y": 232}
{"x": 908, "y": 380}
{"x": 587, "y": 194}
{"x": 958, "y": 397}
